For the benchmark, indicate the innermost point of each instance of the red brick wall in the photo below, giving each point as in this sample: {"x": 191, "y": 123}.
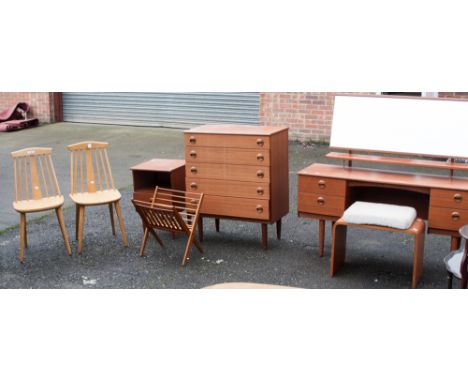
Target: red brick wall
{"x": 41, "y": 104}
{"x": 308, "y": 115}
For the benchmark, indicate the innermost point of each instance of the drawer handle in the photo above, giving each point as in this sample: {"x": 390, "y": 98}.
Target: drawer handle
{"x": 192, "y": 140}
{"x": 193, "y": 170}
{"x": 322, "y": 184}
{"x": 458, "y": 198}
{"x": 259, "y": 209}
{"x": 260, "y": 191}
{"x": 193, "y": 154}
{"x": 320, "y": 201}
{"x": 260, "y": 142}
{"x": 193, "y": 186}
{"x": 260, "y": 174}
{"x": 455, "y": 216}
{"x": 260, "y": 157}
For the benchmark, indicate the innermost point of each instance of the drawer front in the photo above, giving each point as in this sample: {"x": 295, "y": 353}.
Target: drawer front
{"x": 236, "y": 207}
{"x": 222, "y": 140}
{"x": 449, "y": 199}
{"x": 227, "y": 155}
{"x": 227, "y": 172}
{"x": 326, "y": 186}
{"x": 451, "y": 219}
{"x": 320, "y": 204}
{"x": 252, "y": 190}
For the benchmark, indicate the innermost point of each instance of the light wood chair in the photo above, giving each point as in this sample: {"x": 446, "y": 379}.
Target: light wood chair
{"x": 36, "y": 189}
{"x": 171, "y": 210}
{"x": 92, "y": 184}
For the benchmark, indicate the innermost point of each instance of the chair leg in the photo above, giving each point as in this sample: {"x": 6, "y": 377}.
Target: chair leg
{"x": 111, "y": 213}
{"x": 321, "y": 236}
{"x": 338, "y": 248}
{"x": 143, "y": 242}
{"x": 25, "y": 232}
{"x": 22, "y": 236}
{"x": 463, "y": 283}
{"x": 63, "y": 228}
{"x": 217, "y": 224}
{"x": 121, "y": 223}
{"x": 77, "y": 221}
{"x": 264, "y": 236}
{"x": 278, "y": 229}
{"x": 81, "y": 217}
{"x": 418, "y": 256}
{"x": 449, "y": 280}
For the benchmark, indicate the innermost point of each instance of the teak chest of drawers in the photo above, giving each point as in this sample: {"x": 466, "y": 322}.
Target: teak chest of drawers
{"x": 242, "y": 171}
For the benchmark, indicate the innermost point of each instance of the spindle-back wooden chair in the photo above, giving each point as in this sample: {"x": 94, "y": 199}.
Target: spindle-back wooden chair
{"x": 171, "y": 210}
{"x": 36, "y": 189}
{"x": 92, "y": 184}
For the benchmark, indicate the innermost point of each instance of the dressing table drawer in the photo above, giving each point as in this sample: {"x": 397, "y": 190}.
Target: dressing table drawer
{"x": 327, "y": 186}
{"x": 320, "y": 204}
{"x": 449, "y": 199}
{"x": 447, "y": 218}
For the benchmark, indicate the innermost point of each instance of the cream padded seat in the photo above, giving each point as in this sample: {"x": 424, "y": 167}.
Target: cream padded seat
{"x": 387, "y": 215}
{"x": 453, "y": 262}
{"x": 36, "y": 205}
{"x": 95, "y": 198}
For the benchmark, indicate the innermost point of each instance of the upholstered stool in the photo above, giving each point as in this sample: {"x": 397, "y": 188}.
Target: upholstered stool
{"x": 457, "y": 261}
{"x": 384, "y": 217}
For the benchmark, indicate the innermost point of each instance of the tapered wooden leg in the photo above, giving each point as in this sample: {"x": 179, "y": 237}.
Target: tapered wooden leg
{"x": 200, "y": 229}
{"x": 463, "y": 283}
{"x": 321, "y": 236}
{"x": 217, "y": 224}
{"x": 449, "y": 280}
{"x": 156, "y": 236}
{"x": 25, "y": 232}
{"x": 143, "y": 242}
{"x": 265, "y": 236}
{"x": 418, "y": 256}
{"x": 81, "y": 217}
{"x": 22, "y": 236}
{"x": 278, "y": 229}
{"x": 121, "y": 223}
{"x": 77, "y": 220}
{"x": 454, "y": 243}
{"x": 111, "y": 213}
{"x": 63, "y": 228}
{"x": 338, "y": 248}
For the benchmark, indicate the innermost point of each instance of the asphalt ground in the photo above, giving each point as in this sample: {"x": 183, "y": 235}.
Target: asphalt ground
{"x": 375, "y": 259}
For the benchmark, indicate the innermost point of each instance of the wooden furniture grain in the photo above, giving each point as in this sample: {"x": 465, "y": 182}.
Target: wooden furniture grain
{"x": 243, "y": 172}
{"x": 171, "y": 210}
{"x": 461, "y": 261}
{"x": 417, "y": 230}
{"x": 92, "y": 184}
{"x": 325, "y": 191}
{"x": 36, "y": 189}
{"x": 166, "y": 173}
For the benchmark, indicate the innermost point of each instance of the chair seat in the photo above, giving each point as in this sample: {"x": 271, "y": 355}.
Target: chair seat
{"x": 96, "y": 198}
{"x": 387, "y": 215}
{"x": 43, "y": 204}
{"x": 453, "y": 263}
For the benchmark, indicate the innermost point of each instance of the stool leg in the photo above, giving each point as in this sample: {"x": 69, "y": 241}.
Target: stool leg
{"x": 321, "y": 236}
{"x": 418, "y": 256}
{"x": 264, "y": 236}
{"x": 217, "y": 224}
{"x": 463, "y": 283}
{"x": 338, "y": 248}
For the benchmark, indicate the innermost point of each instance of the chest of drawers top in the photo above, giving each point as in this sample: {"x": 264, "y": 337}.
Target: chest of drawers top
{"x": 236, "y": 130}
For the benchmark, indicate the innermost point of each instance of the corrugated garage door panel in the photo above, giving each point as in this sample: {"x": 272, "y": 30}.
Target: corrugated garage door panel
{"x": 180, "y": 110}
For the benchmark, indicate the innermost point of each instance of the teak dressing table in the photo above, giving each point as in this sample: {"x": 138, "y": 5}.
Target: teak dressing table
{"x": 325, "y": 191}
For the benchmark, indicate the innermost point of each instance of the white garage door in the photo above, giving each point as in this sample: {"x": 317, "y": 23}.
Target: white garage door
{"x": 180, "y": 110}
